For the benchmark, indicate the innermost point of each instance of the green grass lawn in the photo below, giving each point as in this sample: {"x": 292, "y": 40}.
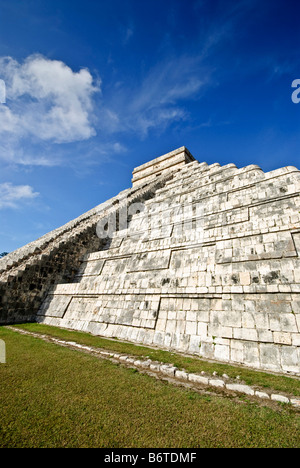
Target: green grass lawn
{"x": 53, "y": 396}
{"x": 278, "y": 383}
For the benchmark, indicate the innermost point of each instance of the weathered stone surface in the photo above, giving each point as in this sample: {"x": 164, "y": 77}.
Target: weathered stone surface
{"x": 198, "y": 379}
{"x": 280, "y": 398}
{"x": 168, "y": 370}
{"x": 179, "y": 374}
{"x": 240, "y": 388}
{"x": 216, "y": 383}
{"x": 262, "y": 395}
{"x": 202, "y": 259}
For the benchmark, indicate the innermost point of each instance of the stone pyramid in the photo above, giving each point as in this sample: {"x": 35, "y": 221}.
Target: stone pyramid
{"x": 201, "y": 259}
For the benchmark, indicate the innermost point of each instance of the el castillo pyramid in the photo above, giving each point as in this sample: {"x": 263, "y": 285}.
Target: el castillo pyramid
{"x": 201, "y": 259}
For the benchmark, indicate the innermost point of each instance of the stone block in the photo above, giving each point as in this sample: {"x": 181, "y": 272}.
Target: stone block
{"x": 265, "y": 336}
{"x": 222, "y": 352}
{"x": 248, "y": 320}
{"x": 251, "y": 355}
{"x": 245, "y": 278}
{"x": 194, "y": 344}
{"x": 216, "y": 383}
{"x": 237, "y": 351}
{"x": 290, "y": 359}
{"x": 202, "y": 330}
{"x": 155, "y": 367}
{"x": 288, "y": 323}
{"x": 263, "y": 395}
{"x": 181, "y": 375}
{"x": 295, "y": 402}
{"x": 295, "y": 339}
{"x": 240, "y": 388}
{"x": 282, "y": 338}
{"x": 231, "y": 319}
{"x": 270, "y": 357}
{"x": 279, "y": 398}
{"x": 168, "y": 370}
{"x": 200, "y": 379}
{"x": 191, "y": 328}
{"x": 247, "y": 334}
{"x": 170, "y": 326}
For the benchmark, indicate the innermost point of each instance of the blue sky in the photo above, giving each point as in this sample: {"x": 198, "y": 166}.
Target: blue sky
{"x": 96, "y": 88}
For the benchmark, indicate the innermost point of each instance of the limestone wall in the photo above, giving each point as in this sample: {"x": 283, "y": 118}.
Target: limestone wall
{"x": 209, "y": 267}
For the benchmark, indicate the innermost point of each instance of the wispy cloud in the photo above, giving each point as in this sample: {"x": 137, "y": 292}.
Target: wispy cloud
{"x": 162, "y": 94}
{"x": 168, "y": 82}
{"x": 158, "y": 99}
{"x": 12, "y": 195}
{"x": 128, "y": 33}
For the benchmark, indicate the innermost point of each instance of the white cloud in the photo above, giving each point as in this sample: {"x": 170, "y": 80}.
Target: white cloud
{"x": 46, "y": 100}
{"x": 11, "y": 195}
{"x": 48, "y": 103}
